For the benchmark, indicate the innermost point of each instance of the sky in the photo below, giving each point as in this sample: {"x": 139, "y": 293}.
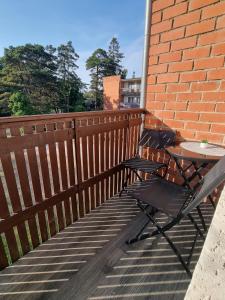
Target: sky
{"x": 89, "y": 24}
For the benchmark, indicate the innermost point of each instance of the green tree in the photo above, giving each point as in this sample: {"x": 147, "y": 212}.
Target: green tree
{"x": 98, "y": 64}
{"x": 31, "y": 71}
{"x": 69, "y": 84}
{"x": 19, "y": 104}
{"x": 115, "y": 58}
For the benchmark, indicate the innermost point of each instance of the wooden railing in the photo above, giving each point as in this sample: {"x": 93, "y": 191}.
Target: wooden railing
{"x": 54, "y": 169}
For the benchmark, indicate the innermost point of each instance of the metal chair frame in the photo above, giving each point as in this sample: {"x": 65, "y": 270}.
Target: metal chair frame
{"x": 165, "y": 138}
{"x": 205, "y": 187}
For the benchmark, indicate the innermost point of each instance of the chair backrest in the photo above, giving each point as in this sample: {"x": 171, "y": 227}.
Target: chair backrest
{"x": 209, "y": 183}
{"x": 157, "y": 139}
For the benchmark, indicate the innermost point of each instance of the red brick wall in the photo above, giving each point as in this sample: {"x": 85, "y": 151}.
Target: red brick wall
{"x": 186, "y": 73}
{"x": 111, "y": 88}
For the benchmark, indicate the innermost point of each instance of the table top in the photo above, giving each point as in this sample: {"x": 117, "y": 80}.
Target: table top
{"x": 180, "y": 151}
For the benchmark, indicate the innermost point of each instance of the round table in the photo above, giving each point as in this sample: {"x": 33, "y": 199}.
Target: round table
{"x": 198, "y": 161}
{"x": 180, "y": 152}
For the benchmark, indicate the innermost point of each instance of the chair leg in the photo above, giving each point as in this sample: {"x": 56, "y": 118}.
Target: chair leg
{"x": 139, "y": 177}
{"x": 124, "y": 185}
{"x": 173, "y": 247}
{"x": 139, "y": 236}
{"x": 196, "y": 226}
{"x": 201, "y": 218}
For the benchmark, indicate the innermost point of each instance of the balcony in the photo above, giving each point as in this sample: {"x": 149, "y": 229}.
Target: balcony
{"x": 130, "y": 91}
{"x": 63, "y": 227}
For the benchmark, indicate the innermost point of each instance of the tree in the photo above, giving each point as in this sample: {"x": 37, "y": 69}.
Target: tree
{"x": 115, "y": 58}
{"x": 19, "y": 104}
{"x": 98, "y": 64}
{"x": 69, "y": 84}
{"x": 30, "y": 70}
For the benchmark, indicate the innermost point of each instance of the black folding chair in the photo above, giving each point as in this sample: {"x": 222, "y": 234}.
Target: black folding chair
{"x": 154, "y": 139}
{"x": 177, "y": 202}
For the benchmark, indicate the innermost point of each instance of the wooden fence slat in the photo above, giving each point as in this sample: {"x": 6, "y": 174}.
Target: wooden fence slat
{"x": 46, "y": 181}
{"x": 15, "y": 199}
{"x": 9, "y": 234}
{"x": 55, "y": 177}
{"x": 79, "y": 170}
{"x": 25, "y": 190}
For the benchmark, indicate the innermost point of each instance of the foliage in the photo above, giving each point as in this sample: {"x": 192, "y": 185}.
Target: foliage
{"x": 20, "y": 105}
{"x": 43, "y": 77}
{"x": 103, "y": 63}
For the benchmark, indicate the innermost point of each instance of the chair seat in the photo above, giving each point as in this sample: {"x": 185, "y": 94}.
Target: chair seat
{"x": 143, "y": 165}
{"x": 162, "y": 194}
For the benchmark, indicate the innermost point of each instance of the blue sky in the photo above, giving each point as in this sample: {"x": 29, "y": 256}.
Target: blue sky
{"x": 89, "y": 24}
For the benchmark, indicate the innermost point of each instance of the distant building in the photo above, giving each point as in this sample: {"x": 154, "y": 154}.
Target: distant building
{"x": 121, "y": 93}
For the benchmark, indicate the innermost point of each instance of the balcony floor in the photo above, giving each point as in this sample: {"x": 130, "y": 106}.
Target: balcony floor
{"x": 90, "y": 260}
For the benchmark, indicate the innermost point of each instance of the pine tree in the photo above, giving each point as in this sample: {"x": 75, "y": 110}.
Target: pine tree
{"x": 97, "y": 63}
{"x": 115, "y": 58}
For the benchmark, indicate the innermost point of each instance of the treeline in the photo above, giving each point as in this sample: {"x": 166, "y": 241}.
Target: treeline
{"x": 35, "y": 79}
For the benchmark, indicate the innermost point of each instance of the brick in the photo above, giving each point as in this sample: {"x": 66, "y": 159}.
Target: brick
{"x": 156, "y": 88}
{"x": 155, "y": 105}
{"x": 197, "y": 126}
{"x": 184, "y": 43}
{"x": 201, "y": 27}
{"x": 155, "y": 39}
{"x": 161, "y": 4}
{"x": 189, "y": 96}
{"x": 218, "y": 128}
{"x": 201, "y": 106}
{"x": 207, "y": 63}
{"x": 214, "y": 96}
{"x": 170, "y": 57}
{"x": 187, "y": 19}
{"x": 218, "y": 49}
{"x": 161, "y": 27}
{"x": 150, "y": 97}
{"x": 195, "y": 4}
{"x": 213, "y": 10}
{"x": 156, "y": 17}
{"x": 153, "y": 60}
{"x": 180, "y": 87}
{"x": 212, "y": 138}
{"x": 172, "y": 35}
{"x": 193, "y": 76}
{"x": 181, "y": 66}
{"x": 169, "y": 77}
{"x": 220, "y": 107}
{"x": 186, "y": 134}
{"x": 185, "y": 115}
{"x": 175, "y": 10}
{"x": 216, "y": 74}
{"x": 220, "y": 22}
{"x": 196, "y": 53}
{"x": 151, "y": 79}
{"x": 164, "y": 114}
{"x": 174, "y": 124}
{"x": 162, "y": 48}
{"x": 212, "y": 117}
{"x": 204, "y": 86}
{"x": 166, "y": 97}
{"x": 222, "y": 87}
{"x": 156, "y": 69}
{"x": 176, "y": 106}
{"x": 214, "y": 37}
